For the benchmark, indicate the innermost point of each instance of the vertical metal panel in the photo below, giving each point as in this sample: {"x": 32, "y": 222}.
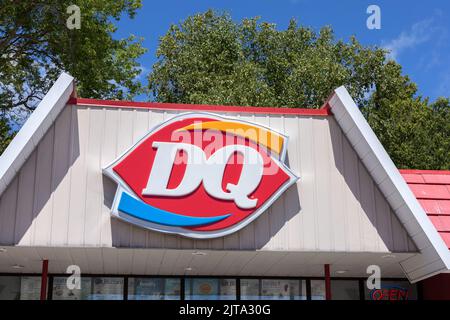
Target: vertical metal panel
{"x": 383, "y": 220}
{"x": 306, "y": 184}
{"x": 8, "y": 203}
{"x": 78, "y": 174}
{"x": 61, "y": 179}
{"x": 108, "y": 155}
{"x": 337, "y": 184}
{"x": 322, "y": 175}
{"x": 368, "y": 214}
{"x": 295, "y": 238}
{"x": 43, "y": 187}
{"x": 25, "y": 192}
{"x": 335, "y": 206}
{"x": 276, "y": 213}
{"x": 350, "y": 194}
{"x": 94, "y": 186}
{"x": 124, "y": 141}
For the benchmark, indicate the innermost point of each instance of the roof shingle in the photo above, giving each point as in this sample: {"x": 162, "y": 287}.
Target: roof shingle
{"x": 432, "y": 189}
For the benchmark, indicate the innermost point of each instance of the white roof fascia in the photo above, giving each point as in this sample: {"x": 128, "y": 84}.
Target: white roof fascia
{"x": 34, "y": 129}
{"x": 434, "y": 255}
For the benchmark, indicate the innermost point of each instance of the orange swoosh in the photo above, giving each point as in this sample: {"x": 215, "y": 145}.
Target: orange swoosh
{"x": 269, "y": 139}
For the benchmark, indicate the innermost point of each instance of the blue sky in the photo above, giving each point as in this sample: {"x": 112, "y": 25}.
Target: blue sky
{"x": 417, "y": 32}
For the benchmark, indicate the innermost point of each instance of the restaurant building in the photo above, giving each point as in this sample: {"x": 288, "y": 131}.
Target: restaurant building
{"x": 173, "y": 201}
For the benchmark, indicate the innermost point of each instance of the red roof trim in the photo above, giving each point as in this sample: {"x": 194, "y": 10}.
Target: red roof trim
{"x": 414, "y": 171}
{"x": 324, "y": 111}
{"x": 432, "y": 190}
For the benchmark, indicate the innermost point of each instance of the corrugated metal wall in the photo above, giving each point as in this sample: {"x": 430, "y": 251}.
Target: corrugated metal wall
{"x": 60, "y": 197}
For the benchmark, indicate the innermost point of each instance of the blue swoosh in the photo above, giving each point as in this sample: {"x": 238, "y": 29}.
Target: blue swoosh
{"x": 143, "y": 211}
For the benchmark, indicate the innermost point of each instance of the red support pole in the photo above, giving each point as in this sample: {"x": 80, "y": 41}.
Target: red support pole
{"x": 327, "y": 282}
{"x": 44, "y": 279}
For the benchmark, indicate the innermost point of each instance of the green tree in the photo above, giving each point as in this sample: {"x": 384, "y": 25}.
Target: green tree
{"x": 36, "y": 46}
{"x": 5, "y": 134}
{"x": 208, "y": 58}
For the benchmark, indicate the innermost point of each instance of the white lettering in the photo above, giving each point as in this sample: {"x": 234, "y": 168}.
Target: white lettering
{"x": 374, "y": 280}
{"x": 210, "y": 171}
{"x": 374, "y": 20}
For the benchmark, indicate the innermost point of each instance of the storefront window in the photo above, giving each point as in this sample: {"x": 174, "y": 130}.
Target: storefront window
{"x": 9, "y": 288}
{"x": 281, "y": 289}
{"x": 99, "y": 288}
{"x": 30, "y": 288}
{"x": 227, "y": 289}
{"x": 210, "y": 289}
{"x": 154, "y": 289}
{"x": 61, "y": 289}
{"x": 317, "y": 289}
{"x": 148, "y": 288}
{"x": 20, "y": 288}
{"x": 250, "y": 289}
{"x": 273, "y": 289}
{"x": 392, "y": 290}
{"x": 107, "y": 288}
{"x": 345, "y": 290}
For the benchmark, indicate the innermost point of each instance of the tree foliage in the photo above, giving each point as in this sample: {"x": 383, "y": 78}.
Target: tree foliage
{"x": 208, "y": 58}
{"x": 5, "y": 134}
{"x": 36, "y": 46}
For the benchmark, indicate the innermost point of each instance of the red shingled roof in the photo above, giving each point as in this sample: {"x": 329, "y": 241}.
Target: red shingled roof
{"x": 432, "y": 189}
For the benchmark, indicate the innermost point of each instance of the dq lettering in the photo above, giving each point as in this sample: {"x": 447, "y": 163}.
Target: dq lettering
{"x": 209, "y": 171}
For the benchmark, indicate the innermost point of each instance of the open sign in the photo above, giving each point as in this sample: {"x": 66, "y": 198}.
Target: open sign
{"x": 390, "y": 293}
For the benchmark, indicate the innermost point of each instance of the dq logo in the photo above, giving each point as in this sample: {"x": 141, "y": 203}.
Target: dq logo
{"x": 200, "y": 175}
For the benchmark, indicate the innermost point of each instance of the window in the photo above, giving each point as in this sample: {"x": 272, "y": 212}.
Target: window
{"x": 107, "y": 289}
{"x": 17, "y": 287}
{"x": 345, "y": 289}
{"x": 392, "y": 290}
{"x": 273, "y": 289}
{"x": 317, "y": 289}
{"x": 210, "y": 289}
{"x": 98, "y": 288}
{"x": 61, "y": 289}
{"x": 20, "y": 287}
{"x": 9, "y": 288}
{"x": 30, "y": 288}
{"x": 250, "y": 289}
{"x": 281, "y": 289}
{"x": 154, "y": 289}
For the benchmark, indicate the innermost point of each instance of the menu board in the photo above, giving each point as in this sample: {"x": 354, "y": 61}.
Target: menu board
{"x": 30, "y": 288}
